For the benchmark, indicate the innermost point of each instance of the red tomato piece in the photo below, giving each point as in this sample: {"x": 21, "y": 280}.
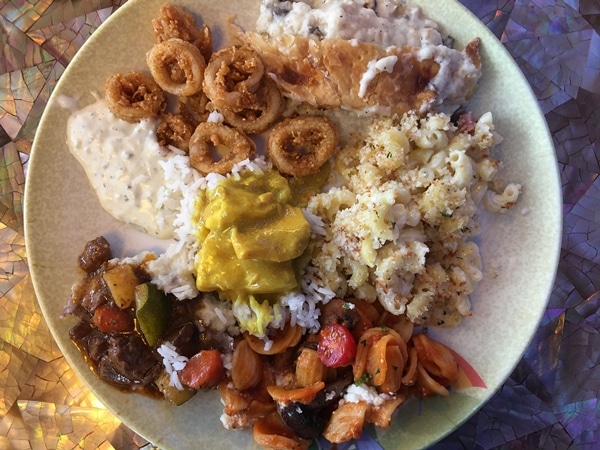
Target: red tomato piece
{"x": 204, "y": 370}
{"x": 112, "y": 319}
{"x": 336, "y": 346}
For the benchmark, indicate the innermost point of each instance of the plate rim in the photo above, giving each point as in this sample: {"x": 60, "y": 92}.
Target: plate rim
{"x": 45, "y": 123}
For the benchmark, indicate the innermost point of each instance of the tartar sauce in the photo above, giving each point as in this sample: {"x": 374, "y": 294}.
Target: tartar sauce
{"x": 123, "y": 162}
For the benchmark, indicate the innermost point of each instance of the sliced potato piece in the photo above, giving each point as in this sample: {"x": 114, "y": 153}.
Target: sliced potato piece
{"x": 121, "y": 280}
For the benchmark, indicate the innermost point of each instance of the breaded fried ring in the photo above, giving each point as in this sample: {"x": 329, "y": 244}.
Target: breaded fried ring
{"x": 232, "y": 77}
{"x": 177, "y": 66}
{"x": 257, "y": 119}
{"x": 299, "y": 146}
{"x": 134, "y": 96}
{"x": 174, "y": 130}
{"x": 209, "y": 138}
{"x": 174, "y": 22}
{"x": 194, "y": 108}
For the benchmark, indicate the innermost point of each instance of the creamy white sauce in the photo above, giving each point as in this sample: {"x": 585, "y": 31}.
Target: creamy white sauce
{"x": 392, "y": 24}
{"x": 453, "y": 75}
{"x": 385, "y": 64}
{"x": 384, "y": 22}
{"x": 123, "y": 163}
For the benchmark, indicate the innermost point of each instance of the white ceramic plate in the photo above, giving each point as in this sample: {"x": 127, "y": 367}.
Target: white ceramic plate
{"x": 520, "y": 250}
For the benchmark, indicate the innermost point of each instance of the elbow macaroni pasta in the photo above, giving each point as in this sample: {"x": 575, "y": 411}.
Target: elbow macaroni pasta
{"x": 411, "y": 191}
{"x": 503, "y": 201}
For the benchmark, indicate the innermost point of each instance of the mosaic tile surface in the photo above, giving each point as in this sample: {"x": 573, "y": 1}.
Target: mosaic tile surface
{"x": 551, "y": 398}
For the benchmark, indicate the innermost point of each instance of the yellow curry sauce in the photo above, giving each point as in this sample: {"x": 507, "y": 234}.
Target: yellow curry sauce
{"x": 253, "y": 236}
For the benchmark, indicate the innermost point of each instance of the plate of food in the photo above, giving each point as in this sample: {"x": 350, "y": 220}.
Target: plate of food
{"x": 293, "y": 224}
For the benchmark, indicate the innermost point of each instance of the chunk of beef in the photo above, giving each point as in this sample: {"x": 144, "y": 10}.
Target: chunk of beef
{"x": 91, "y": 342}
{"x": 211, "y": 339}
{"x": 185, "y": 339}
{"x": 107, "y": 372}
{"x": 97, "y": 345}
{"x": 95, "y": 253}
{"x": 80, "y": 332}
{"x": 131, "y": 357}
{"x": 96, "y": 294}
{"x": 86, "y": 296}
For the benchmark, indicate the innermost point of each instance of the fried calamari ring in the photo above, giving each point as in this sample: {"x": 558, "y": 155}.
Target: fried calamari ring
{"x": 134, "y": 96}
{"x": 173, "y": 22}
{"x": 194, "y": 109}
{"x": 259, "y": 118}
{"x": 216, "y": 148}
{"x": 174, "y": 130}
{"x": 177, "y": 66}
{"x": 232, "y": 77}
{"x": 299, "y": 146}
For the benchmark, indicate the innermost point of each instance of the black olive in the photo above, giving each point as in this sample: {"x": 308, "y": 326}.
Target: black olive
{"x": 304, "y": 421}
{"x": 309, "y": 421}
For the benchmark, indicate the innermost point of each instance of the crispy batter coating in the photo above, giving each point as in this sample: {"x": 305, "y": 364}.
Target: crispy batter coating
{"x": 177, "y": 66}
{"x": 174, "y": 130}
{"x": 174, "y": 22}
{"x": 193, "y": 108}
{"x": 232, "y": 77}
{"x": 216, "y": 148}
{"x": 299, "y": 146}
{"x": 134, "y": 96}
{"x": 258, "y": 118}
{"x": 338, "y": 73}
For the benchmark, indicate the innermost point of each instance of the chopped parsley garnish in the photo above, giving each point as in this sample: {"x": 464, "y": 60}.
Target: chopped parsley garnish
{"x": 365, "y": 378}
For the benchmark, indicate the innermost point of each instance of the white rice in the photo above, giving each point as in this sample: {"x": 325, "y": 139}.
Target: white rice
{"x": 303, "y": 307}
{"x": 174, "y": 270}
{"x": 220, "y": 315}
{"x": 268, "y": 344}
{"x": 173, "y": 362}
{"x": 227, "y": 359}
{"x": 317, "y": 225}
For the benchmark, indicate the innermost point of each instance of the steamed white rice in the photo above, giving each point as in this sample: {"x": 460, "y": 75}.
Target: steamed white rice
{"x": 174, "y": 270}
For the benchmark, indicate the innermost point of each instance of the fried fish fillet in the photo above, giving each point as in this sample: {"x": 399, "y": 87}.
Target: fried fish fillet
{"x": 362, "y": 76}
